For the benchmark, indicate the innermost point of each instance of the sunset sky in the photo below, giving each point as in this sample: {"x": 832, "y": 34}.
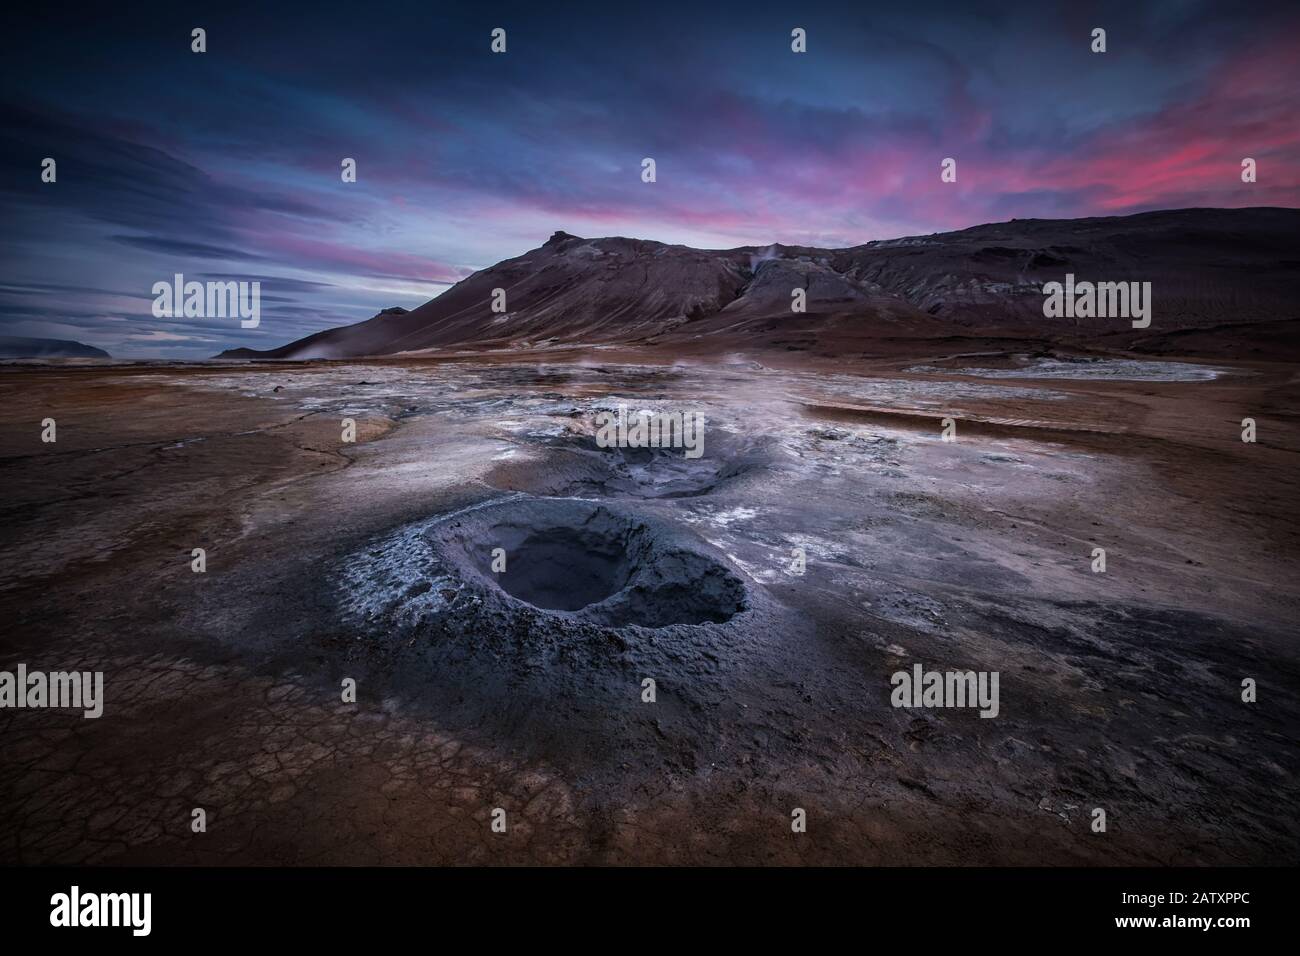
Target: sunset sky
{"x": 225, "y": 165}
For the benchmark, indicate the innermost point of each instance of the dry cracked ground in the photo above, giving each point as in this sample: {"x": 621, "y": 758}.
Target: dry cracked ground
{"x": 368, "y": 561}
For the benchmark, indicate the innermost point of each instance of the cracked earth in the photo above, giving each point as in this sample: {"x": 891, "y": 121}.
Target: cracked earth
{"x": 329, "y": 561}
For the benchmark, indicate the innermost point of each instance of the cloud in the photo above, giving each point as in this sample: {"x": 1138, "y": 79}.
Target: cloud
{"x": 185, "y": 248}
{"x": 227, "y": 165}
{"x": 157, "y": 335}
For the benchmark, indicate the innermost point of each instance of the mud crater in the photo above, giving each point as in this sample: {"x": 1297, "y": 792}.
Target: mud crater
{"x": 551, "y": 653}
{"x": 590, "y": 562}
{"x": 576, "y": 466}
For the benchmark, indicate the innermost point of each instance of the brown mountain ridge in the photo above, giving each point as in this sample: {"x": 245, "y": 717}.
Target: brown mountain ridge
{"x": 1224, "y": 281}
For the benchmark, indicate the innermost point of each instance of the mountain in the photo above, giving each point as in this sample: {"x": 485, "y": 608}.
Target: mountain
{"x": 1213, "y": 272}
{"x": 15, "y": 346}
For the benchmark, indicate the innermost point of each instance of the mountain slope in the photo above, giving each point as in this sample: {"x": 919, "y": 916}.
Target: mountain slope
{"x": 16, "y": 346}
{"x": 1209, "y": 269}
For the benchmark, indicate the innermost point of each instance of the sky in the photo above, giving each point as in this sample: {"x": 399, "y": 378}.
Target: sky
{"x": 226, "y": 164}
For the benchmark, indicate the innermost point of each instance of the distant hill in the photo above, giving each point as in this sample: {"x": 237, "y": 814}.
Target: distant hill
{"x": 1213, "y": 273}
{"x": 13, "y": 346}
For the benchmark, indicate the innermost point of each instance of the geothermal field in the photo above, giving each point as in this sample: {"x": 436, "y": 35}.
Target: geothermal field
{"x": 681, "y": 652}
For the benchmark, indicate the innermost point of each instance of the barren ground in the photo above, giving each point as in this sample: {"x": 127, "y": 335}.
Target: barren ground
{"x": 328, "y": 560}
